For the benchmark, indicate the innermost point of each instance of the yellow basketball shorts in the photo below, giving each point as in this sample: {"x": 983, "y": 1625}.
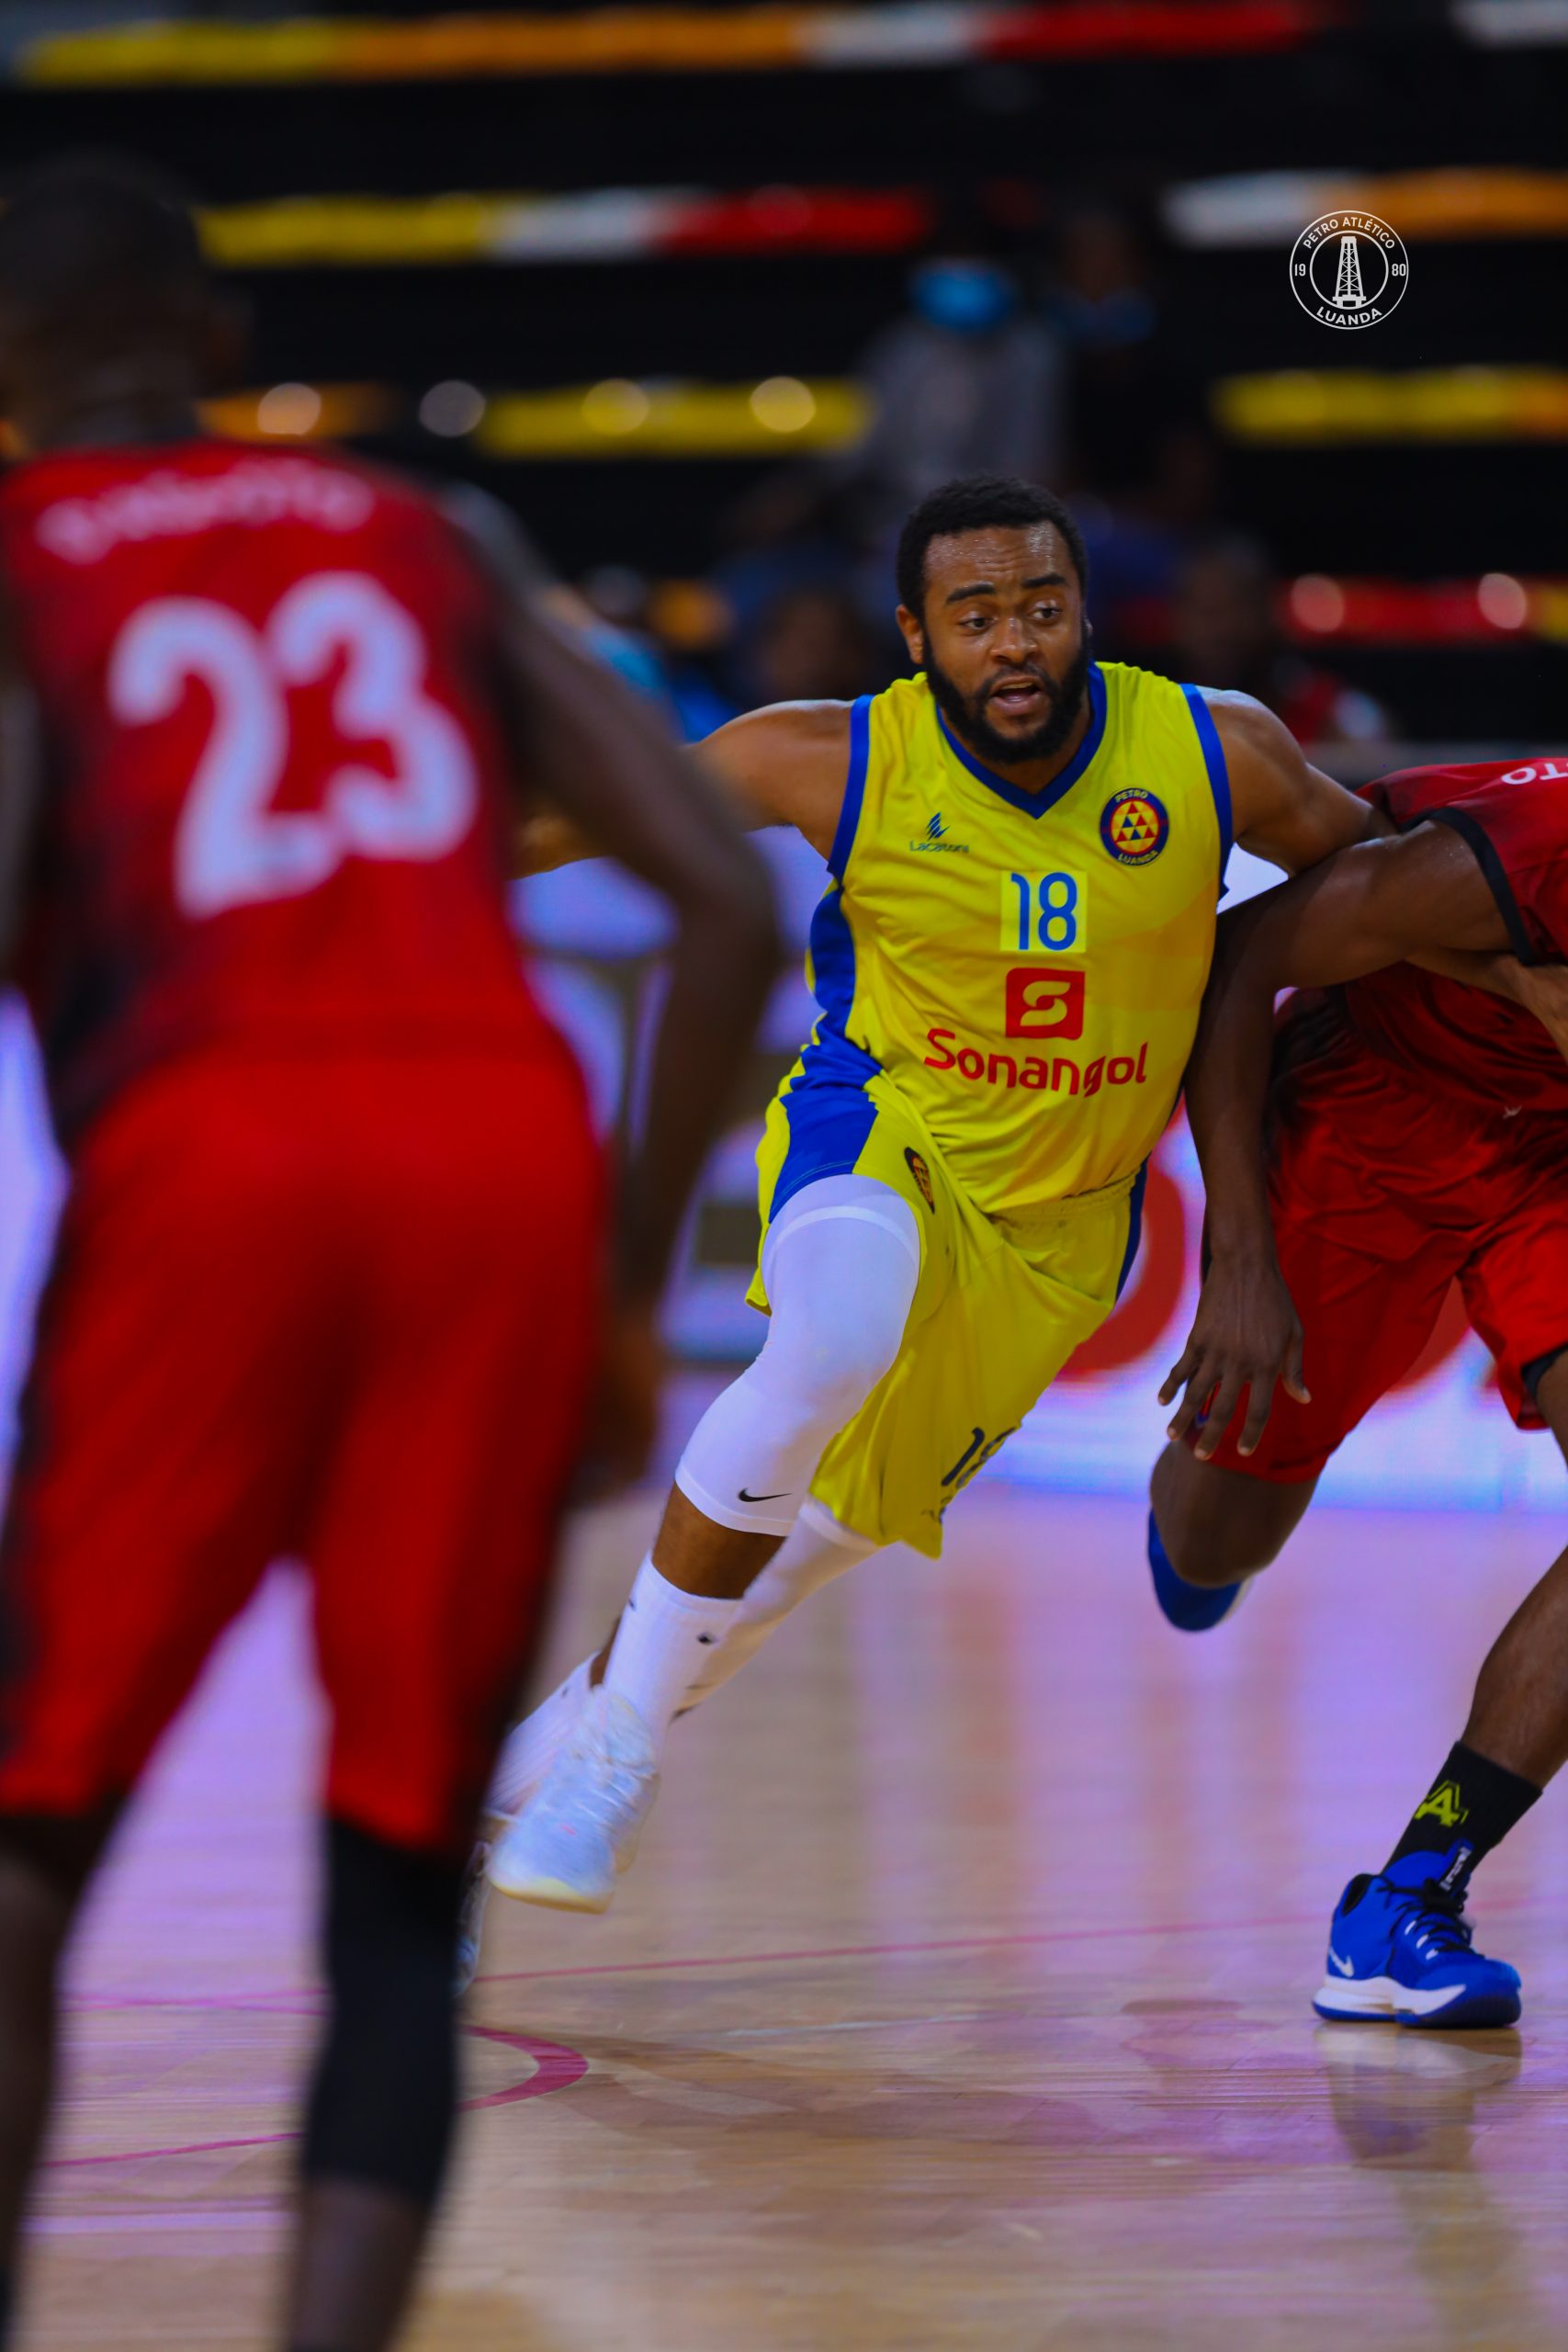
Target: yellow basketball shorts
{"x": 998, "y": 1310}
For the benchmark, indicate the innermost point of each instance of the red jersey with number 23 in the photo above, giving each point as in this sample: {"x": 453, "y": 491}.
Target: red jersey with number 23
{"x": 276, "y": 788}
{"x": 1459, "y": 1040}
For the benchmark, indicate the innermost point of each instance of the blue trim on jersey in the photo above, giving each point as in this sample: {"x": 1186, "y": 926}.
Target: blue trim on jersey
{"x": 1035, "y": 804}
{"x": 829, "y": 1111}
{"x": 1134, "y": 1225}
{"x": 829, "y": 1123}
{"x": 1214, "y": 752}
{"x": 854, "y": 786}
{"x": 830, "y": 1053}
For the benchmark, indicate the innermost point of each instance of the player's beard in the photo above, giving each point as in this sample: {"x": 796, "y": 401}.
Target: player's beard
{"x": 966, "y": 714}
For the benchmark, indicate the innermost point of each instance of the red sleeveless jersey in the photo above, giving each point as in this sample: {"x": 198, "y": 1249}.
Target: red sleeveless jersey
{"x": 277, "y": 785}
{"x": 1459, "y": 1040}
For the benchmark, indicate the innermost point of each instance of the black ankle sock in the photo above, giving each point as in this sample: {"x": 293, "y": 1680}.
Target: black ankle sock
{"x": 1472, "y": 1803}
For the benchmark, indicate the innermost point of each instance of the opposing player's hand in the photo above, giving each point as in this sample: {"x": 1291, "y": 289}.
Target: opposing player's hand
{"x": 624, "y": 1422}
{"x": 1246, "y": 1335}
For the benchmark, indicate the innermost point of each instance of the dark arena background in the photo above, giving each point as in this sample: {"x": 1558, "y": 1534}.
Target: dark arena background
{"x": 962, "y": 1994}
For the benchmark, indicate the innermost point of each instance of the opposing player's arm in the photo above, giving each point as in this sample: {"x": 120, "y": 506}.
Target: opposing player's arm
{"x": 609, "y": 767}
{"x": 585, "y": 740}
{"x": 1290, "y": 814}
{"x": 1374, "y": 904}
{"x": 785, "y": 764}
{"x": 20, "y": 786}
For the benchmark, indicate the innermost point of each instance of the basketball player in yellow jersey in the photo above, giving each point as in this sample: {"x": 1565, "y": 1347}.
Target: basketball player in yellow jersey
{"x": 1025, "y": 853}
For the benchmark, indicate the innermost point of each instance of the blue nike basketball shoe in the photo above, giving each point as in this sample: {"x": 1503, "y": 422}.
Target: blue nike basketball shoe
{"x": 1192, "y": 1608}
{"x": 1399, "y": 1950}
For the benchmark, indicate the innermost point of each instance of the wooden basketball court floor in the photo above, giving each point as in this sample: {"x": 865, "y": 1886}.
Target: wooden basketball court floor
{"x": 959, "y": 1998}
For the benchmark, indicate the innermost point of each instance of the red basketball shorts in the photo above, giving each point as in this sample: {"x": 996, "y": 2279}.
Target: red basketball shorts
{"x": 1383, "y": 1194}
{"x": 341, "y": 1312}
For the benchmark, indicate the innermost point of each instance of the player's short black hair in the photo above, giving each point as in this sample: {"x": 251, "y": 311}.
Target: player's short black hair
{"x": 93, "y": 243}
{"x": 980, "y": 503}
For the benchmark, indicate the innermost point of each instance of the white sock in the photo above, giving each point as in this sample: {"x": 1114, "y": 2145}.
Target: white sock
{"x": 816, "y": 1550}
{"x": 531, "y": 1746}
{"x": 661, "y": 1642}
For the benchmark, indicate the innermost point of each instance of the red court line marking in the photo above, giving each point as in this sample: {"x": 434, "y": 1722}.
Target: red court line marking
{"x": 725, "y": 1960}
{"x": 733, "y": 1959}
{"x": 885, "y": 1951}
{"x": 141, "y": 2155}
{"x": 943, "y": 1943}
{"x": 555, "y": 2068}
{"x": 313, "y": 1998}
{"x": 305, "y": 2001}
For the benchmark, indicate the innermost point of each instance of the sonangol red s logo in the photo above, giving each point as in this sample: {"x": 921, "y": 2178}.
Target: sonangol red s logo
{"x": 1044, "y": 1004}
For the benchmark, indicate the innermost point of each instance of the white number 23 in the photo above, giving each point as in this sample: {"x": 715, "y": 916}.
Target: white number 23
{"x": 232, "y": 847}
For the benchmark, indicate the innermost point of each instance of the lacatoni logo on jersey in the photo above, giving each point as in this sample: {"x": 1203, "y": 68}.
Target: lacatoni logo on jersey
{"x": 936, "y": 836}
{"x": 1133, "y": 826}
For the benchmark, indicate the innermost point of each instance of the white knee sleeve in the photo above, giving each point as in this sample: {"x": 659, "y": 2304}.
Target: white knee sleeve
{"x": 840, "y": 1264}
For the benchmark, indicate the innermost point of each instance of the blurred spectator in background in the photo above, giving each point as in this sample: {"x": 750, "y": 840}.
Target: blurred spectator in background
{"x": 969, "y": 380}
{"x": 625, "y": 618}
{"x": 1140, "y": 461}
{"x": 606, "y": 612}
{"x": 811, "y": 644}
{"x": 1135, "y": 420}
{"x": 1224, "y": 631}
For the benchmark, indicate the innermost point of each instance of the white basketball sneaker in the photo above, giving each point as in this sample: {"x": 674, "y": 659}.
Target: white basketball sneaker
{"x": 527, "y": 1754}
{"x": 472, "y": 1918}
{"x": 580, "y": 1828}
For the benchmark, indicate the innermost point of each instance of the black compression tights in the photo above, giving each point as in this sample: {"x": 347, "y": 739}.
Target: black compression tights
{"x": 45, "y": 1862}
{"x": 381, "y": 2107}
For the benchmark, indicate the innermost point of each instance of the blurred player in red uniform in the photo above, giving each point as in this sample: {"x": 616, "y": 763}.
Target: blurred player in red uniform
{"x": 1419, "y": 1137}
{"x": 327, "y": 1281}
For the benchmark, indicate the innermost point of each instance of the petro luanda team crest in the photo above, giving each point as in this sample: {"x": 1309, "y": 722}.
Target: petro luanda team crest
{"x": 1133, "y": 826}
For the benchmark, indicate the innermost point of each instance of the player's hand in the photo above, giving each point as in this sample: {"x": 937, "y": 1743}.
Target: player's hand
{"x": 1542, "y": 990}
{"x": 542, "y": 842}
{"x": 623, "y": 1422}
{"x": 1246, "y": 1335}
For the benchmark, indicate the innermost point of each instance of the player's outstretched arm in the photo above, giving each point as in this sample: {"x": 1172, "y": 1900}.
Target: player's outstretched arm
{"x": 785, "y": 764}
{"x": 1372, "y": 904}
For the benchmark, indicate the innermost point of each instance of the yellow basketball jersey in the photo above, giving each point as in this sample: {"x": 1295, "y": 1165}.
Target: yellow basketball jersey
{"x": 1026, "y": 969}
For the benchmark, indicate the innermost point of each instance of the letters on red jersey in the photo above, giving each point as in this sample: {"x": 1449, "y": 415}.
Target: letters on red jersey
{"x": 1514, "y": 818}
{"x": 277, "y": 795}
